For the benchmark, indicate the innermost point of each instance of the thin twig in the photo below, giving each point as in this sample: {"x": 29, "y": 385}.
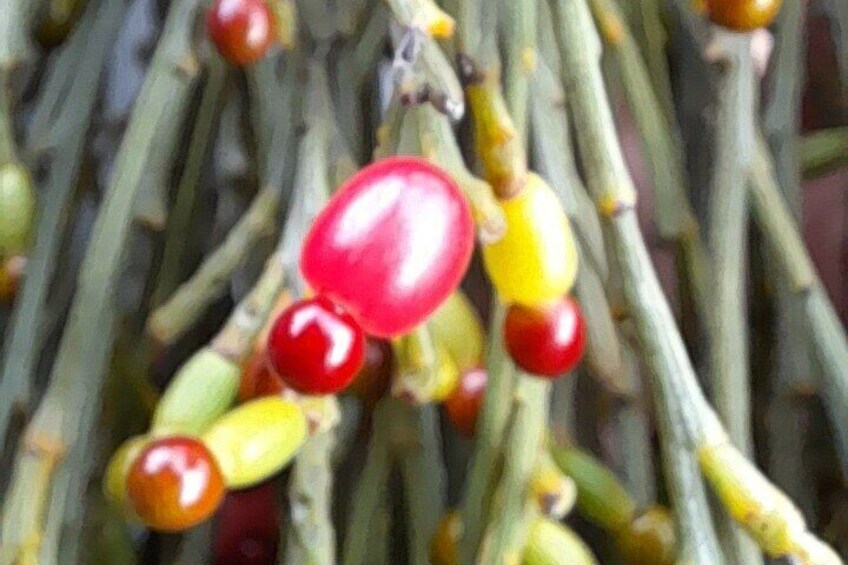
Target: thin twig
{"x": 311, "y": 539}
{"x": 827, "y": 336}
{"x": 791, "y": 363}
{"x": 77, "y": 374}
{"x": 507, "y": 530}
{"x": 824, "y": 151}
{"x": 369, "y": 498}
{"x": 753, "y": 501}
{"x": 172, "y": 268}
{"x": 89, "y": 49}
{"x": 417, "y": 449}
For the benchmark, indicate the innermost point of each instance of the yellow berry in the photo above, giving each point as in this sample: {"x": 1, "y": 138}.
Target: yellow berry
{"x": 536, "y": 260}
{"x": 257, "y": 439}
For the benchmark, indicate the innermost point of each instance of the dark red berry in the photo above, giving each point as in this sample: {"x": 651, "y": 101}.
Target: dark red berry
{"x": 463, "y": 406}
{"x": 174, "y": 484}
{"x": 545, "y": 340}
{"x": 247, "y": 529}
{"x": 242, "y": 30}
{"x": 316, "y": 347}
{"x": 375, "y": 377}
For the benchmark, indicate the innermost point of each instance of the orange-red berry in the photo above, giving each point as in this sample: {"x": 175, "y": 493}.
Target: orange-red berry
{"x": 174, "y": 484}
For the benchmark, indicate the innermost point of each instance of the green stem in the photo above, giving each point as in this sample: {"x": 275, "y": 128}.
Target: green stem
{"x": 77, "y": 375}
{"x": 673, "y": 379}
{"x": 791, "y": 363}
{"x": 824, "y": 151}
{"x": 417, "y": 448}
{"x": 508, "y": 528}
{"x": 172, "y": 267}
{"x": 89, "y": 49}
{"x": 728, "y": 234}
{"x": 827, "y": 337}
{"x": 753, "y": 501}
{"x": 369, "y": 498}
{"x": 520, "y": 38}
{"x": 311, "y": 539}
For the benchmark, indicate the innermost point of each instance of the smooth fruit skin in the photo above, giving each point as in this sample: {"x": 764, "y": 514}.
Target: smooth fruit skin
{"x": 391, "y": 245}
{"x": 649, "y": 539}
{"x": 17, "y": 209}
{"x": 463, "y": 406}
{"x": 375, "y": 377}
{"x": 536, "y": 260}
{"x": 457, "y": 325}
{"x": 256, "y": 440}
{"x": 443, "y": 545}
{"x": 316, "y": 347}
{"x": 242, "y": 30}
{"x": 743, "y": 15}
{"x": 547, "y": 340}
{"x": 248, "y": 527}
{"x": 174, "y": 484}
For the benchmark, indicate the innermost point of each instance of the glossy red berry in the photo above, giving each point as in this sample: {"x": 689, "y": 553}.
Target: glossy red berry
{"x": 242, "y": 30}
{"x": 374, "y": 378}
{"x": 248, "y": 527}
{"x": 316, "y": 347}
{"x": 174, "y": 484}
{"x": 463, "y": 406}
{"x": 391, "y": 245}
{"x": 545, "y": 340}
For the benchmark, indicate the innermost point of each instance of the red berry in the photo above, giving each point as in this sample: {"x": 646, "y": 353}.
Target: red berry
{"x": 374, "y": 378}
{"x": 545, "y": 340}
{"x": 248, "y": 527}
{"x": 316, "y": 347}
{"x": 242, "y": 30}
{"x": 391, "y": 245}
{"x": 463, "y": 406}
{"x": 174, "y": 484}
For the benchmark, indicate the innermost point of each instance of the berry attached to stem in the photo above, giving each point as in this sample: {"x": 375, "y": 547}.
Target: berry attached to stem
{"x": 242, "y": 30}
{"x": 463, "y": 406}
{"x": 174, "y": 484}
{"x": 742, "y": 15}
{"x": 316, "y": 347}
{"x": 546, "y": 340}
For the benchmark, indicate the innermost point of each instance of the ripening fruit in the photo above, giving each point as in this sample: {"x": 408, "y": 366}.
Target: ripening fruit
{"x": 316, "y": 347}
{"x": 374, "y": 378}
{"x": 536, "y": 260}
{"x": 391, "y": 245}
{"x": 174, "y": 484}
{"x": 201, "y": 392}
{"x": 742, "y": 15}
{"x": 456, "y": 325}
{"x": 463, "y": 406}
{"x": 552, "y": 543}
{"x": 649, "y": 538}
{"x": 17, "y": 209}
{"x": 545, "y": 340}
{"x": 443, "y": 545}
{"x": 242, "y": 30}
{"x": 115, "y": 477}
{"x": 247, "y": 528}
{"x": 254, "y": 441}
